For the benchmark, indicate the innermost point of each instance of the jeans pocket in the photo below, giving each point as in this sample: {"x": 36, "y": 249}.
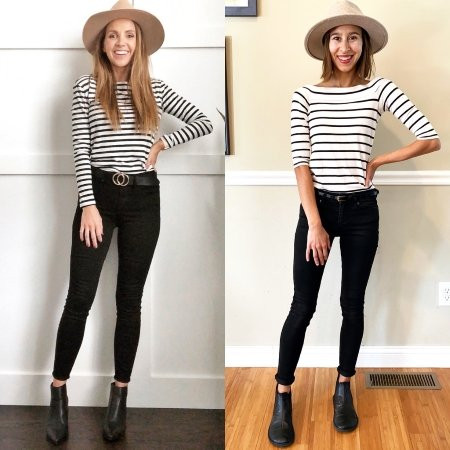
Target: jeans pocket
{"x": 367, "y": 202}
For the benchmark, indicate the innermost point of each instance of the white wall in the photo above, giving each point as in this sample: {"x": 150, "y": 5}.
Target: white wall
{"x": 180, "y": 355}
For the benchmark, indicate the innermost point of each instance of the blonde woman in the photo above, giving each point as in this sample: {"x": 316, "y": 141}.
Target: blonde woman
{"x": 333, "y": 128}
{"x": 115, "y": 115}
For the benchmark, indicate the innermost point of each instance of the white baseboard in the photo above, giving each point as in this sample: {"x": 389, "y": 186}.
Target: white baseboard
{"x": 382, "y": 178}
{"x": 93, "y": 390}
{"x": 328, "y": 356}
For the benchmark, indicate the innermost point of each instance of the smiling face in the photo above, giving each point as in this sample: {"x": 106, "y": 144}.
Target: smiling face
{"x": 346, "y": 45}
{"x": 119, "y": 43}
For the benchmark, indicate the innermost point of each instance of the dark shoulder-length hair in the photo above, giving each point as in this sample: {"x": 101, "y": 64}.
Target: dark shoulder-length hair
{"x": 365, "y": 66}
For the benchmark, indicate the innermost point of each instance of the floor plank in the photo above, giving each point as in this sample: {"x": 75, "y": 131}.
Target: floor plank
{"x": 389, "y": 419}
{"x": 23, "y": 428}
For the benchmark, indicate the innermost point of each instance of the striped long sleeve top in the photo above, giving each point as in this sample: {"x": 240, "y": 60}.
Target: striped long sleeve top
{"x": 95, "y": 143}
{"x": 333, "y": 129}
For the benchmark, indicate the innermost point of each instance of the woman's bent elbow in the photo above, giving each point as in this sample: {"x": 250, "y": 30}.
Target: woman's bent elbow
{"x": 429, "y": 146}
{"x": 437, "y": 144}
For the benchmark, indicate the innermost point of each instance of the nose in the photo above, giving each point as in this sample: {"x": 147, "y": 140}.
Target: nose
{"x": 344, "y": 45}
{"x": 120, "y": 40}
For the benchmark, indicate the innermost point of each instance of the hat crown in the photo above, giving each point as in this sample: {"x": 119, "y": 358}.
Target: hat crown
{"x": 122, "y": 4}
{"x": 344, "y": 7}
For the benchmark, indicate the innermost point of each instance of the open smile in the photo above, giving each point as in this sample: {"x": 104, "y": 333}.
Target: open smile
{"x": 345, "y": 59}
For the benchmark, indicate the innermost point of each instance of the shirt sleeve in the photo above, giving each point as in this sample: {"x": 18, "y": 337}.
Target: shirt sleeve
{"x": 392, "y": 99}
{"x": 197, "y": 124}
{"x": 300, "y": 139}
{"x": 81, "y": 139}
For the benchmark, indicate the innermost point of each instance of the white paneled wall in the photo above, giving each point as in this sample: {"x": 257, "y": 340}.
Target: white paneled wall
{"x": 58, "y": 24}
{"x": 181, "y": 353}
{"x": 47, "y": 23}
{"x": 188, "y": 23}
{"x": 43, "y": 107}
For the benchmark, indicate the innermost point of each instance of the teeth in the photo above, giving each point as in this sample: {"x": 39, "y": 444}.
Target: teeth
{"x": 122, "y": 52}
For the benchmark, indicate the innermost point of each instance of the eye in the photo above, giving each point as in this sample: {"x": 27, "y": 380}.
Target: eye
{"x": 130, "y": 36}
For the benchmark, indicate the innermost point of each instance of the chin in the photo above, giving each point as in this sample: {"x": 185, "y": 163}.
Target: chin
{"x": 121, "y": 63}
{"x": 345, "y": 68}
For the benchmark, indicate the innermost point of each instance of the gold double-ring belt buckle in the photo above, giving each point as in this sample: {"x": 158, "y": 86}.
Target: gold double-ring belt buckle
{"x": 120, "y": 179}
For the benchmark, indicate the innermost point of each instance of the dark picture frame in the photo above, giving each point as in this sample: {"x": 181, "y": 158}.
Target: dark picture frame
{"x": 226, "y": 116}
{"x": 250, "y": 10}
{"x": 228, "y": 93}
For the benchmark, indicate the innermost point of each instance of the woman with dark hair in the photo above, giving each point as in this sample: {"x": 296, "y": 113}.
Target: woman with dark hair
{"x": 115, "y": 116}
{"x": 333, "y": 128}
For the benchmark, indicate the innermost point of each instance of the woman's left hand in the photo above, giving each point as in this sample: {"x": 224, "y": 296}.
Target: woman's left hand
{"x": 154, "y": 152}
{"x": 372, "y": 166}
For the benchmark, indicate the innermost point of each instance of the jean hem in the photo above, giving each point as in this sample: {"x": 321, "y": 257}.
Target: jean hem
{"x": 56, "y": 377}
{"x": 123, "y": 380}
{"x": 345, "y": 373}
{"x": 284, "y": 381}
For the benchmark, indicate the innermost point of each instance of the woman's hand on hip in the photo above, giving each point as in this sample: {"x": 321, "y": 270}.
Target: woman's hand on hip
{"x": 318, "y": 241}
{"x": 154, "y": 152}
{"x": 91, "y": 229}
{"x": 372, "y": 166}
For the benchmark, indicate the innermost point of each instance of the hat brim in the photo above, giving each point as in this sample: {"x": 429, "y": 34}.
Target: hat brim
{"x": 376, "y": 31}
{"x": 152, "y": 29}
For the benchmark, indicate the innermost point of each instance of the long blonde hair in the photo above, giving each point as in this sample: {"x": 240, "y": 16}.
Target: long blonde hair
{"x": 144, "y": 103}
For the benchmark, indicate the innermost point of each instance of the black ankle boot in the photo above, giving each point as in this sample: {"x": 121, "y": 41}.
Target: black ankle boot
{"x": 281, "y": 431}
{"x": 115, "y": 420}
{"x": 345, "y": 417}
{"x": 57, "y": 422}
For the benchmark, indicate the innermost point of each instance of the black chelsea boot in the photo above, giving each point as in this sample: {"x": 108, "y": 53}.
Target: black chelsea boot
{"x": 345, "y": 417}
{"x": 281, "y": 430}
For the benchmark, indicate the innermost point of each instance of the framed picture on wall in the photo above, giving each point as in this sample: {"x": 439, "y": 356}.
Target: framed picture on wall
{"x": 226, "y": 116}
{"x": 228, "y": 149}
{"x": 236, "y": 8}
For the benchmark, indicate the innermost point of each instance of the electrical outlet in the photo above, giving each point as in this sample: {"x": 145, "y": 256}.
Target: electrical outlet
{"x": 444, "y": 294}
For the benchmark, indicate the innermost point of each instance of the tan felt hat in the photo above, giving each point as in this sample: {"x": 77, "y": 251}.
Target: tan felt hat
{"x": 152, "y": 29}
{"x": 344, "y": 12}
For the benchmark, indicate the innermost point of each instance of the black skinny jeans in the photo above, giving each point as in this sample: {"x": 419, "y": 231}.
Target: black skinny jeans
{"x": 354, "y": 218}
{"x": 135, "y": 211}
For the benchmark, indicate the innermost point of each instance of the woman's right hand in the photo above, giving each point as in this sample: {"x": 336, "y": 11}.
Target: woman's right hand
{"x": 318, "y": 241}
{"x": 91, "y": 229}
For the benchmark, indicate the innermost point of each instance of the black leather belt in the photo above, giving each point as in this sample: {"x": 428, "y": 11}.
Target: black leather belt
{"x": 125, "y": 179}
{"x": 344, "y": 197}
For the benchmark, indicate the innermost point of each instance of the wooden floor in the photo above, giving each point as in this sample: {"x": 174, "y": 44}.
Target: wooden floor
{"x": 389, "y": 419}
{"x": 23, "y": 428}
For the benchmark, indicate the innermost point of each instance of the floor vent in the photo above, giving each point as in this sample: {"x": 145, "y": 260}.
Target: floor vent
{"x": 402, "y": 380}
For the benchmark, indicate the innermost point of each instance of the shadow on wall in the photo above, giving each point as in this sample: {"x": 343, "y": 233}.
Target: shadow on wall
{"x": 387, "y": 140}
{"x": 397, "y": 296}
{"x": 98, "y": 358}
{"x": 403, "y": 249}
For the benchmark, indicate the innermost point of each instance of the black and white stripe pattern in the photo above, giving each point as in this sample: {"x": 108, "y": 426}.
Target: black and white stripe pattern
{"x": 333, "y": 129}
{"x": 96, "y": 143}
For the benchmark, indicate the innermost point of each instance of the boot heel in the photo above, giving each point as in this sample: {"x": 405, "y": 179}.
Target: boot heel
{"x": 114, "y": 424}
{"x": 58, "y": 416}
